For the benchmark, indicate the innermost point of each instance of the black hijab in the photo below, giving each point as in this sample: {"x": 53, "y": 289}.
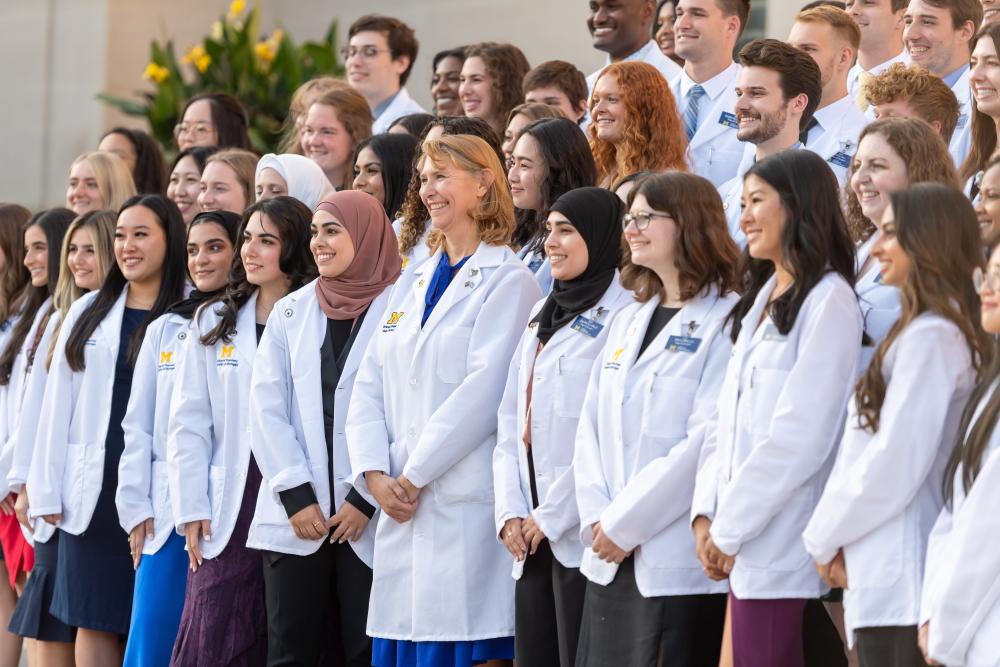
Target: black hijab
{"x": 596, "y": 214}
{"x": 230, "y": 222}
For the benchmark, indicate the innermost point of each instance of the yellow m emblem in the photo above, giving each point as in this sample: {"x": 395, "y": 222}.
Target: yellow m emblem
{"x": 165, "y": 357}
{"x": 617, "y": 354}
{"x": 394, "y": 318}
{"x": 227, "y": 352}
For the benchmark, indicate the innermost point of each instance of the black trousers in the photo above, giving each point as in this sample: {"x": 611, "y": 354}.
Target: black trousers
{"x": 888, "y": 647}
{"x": 821, "y": 641}
{"x": 548, "y": 606}
{"x": 317, "y": 608}
{"x": 620, "y": 627}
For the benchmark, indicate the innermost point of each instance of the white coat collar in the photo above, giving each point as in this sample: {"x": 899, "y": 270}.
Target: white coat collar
{"x": 464, "y": 283}
{"x": 111, "y": 326}
{"x": 245, "y": 337}
{"x": 715, "y": 88}
{"x": 688, "y": 320}
{"x": 607, "y": 304}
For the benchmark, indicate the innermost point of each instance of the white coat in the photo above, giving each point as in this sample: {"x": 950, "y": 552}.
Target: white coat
{"x": 781, "y": 409}
{"x": 879, "y": 302}
{"x": 287, "y": 425}
{"x": 561, "y": 373}
{"x": 885, "y": 489}
{"x": 835, "y": 138}
{"x": 417, "y": 253}
{"x": 732, "y": 194}
{"x": 644, "y": 421}
{"x": 401, "y": 105}
{"x": 425, "y": 405}
{"x": 73, "y": 424}
{"x": 714, "y": 152}
{"x": 540, "y": 266}
{"x": 961, "y": 139}
{"x": 208, "y": 440}
{"x": 961, "y": 592}
{"x": 23, "y": 460}
{"x": 143, "y": 491}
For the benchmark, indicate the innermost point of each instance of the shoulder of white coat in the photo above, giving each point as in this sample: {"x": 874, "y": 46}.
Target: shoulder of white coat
{"x": 206, "y": 317}
{"x": 833, "y": 287}
{"x": 930, "y": 328}
{"x": 297, "y": 301}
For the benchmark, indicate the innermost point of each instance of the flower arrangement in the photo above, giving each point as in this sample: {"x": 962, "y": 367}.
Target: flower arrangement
{"x": 262, "y": 72}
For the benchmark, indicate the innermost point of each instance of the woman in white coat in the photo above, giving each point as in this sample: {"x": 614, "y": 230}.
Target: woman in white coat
{"x": 650, "y": 405}
{"x": 422, "y": 422}
{"x": 80, "y": 439}
{"x": 86, "y": 256}
{"x": 960, "y": 608}
{"x": 311, "y": 524}
{"x": 213, "y": 479}
{"x": 797, "y": 334}
{"x": 143, "y": 498}
{"x": 869, "y": 532}
{"x": 535, "y": 509}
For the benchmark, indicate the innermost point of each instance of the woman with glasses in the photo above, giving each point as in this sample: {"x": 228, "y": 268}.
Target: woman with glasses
{"x": 869, "y": 532}
{"x": 649, "y": 407}
{"x": 960, "y": 610}
{"x": 213, "y": 119}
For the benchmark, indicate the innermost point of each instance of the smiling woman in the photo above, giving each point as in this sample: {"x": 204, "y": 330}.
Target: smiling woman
{"x": 98, "y": 180}
{"x": 334, "y": 124}
{"x": 491, "y": 82}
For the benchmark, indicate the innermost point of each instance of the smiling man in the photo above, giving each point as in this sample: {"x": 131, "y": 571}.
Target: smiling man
{"x": 777, "y": 91}
{"x": 881, "y": 25}
{"x": 705, "y": 33}
{"x": 938, "y": 36}
{"x": 379, "y": 57}
{"x": 622, "y": 29}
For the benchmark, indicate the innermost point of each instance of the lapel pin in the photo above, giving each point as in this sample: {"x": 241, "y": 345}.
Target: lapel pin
{"x": 289, "y": 312}
{"x": 473, "y": 272}
{"x": 468, "y": 283}
{"x": 421, "y": 283}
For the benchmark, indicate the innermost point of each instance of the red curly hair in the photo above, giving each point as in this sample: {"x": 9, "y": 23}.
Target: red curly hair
{"x": 654, "y": 138}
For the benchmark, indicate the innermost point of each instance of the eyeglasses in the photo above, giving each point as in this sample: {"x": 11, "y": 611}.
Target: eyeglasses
{"x": 197, "y": 129}
{"x": 366, "y": 52}
{"x": 986, "y": 279}
{"x": 641, "y": 219}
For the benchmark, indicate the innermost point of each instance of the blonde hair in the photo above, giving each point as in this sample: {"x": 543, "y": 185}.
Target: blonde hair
{"x": 244, "y": 165}
{"x": 302, "y": 99}
{"x": 101, "y": 225}
{"x": 494, "y": 213}
{"x": 113, "y": 177}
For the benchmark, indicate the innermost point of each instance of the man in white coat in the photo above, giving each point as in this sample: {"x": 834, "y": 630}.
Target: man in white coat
{"x": 622, "y": 29}
{"x": 379, "y": 57}
{"x": 881, "y": 25}
{"x": 938, "y": 36}
{"x": 705, "y": 34}
{"x": 831, "y": 37}
{"x": 777, "y": 91}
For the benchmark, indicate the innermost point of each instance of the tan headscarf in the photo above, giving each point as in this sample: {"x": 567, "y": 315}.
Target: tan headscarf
{"x": 376, "y": 262}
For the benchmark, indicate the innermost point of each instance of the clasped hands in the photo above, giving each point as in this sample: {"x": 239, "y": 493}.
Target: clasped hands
{"x": 397, "y": 496}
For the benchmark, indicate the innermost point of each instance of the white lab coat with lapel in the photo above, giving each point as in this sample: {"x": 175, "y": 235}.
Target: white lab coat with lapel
{"x": 885, "y": 489}
{"x": 25, "y": 434}
{"x": 639, "y": 441}
{"x": 561, "y": 374}
{"x": 879, "y": 302}
{"x": 73, "y": 424}
{"x": 540, "y": 266}
{"x": 714, "y": 152}
{"x": 961, "y": 138}
{"x": 425, "y": 405}
{"x": 835, "y": 139}
{"x": 961, "y": 591}
{"x": 208, "y": 441}
{"x": 287, "y": 424}
{"x": 781, "y": 409}
{"x": 143, "y": 491}
{"x": 732, "y": 193}
{"x": 401, "y": 105}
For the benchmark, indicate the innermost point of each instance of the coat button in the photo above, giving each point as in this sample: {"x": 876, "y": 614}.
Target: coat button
{"x": 413, "y": 380}
{"x": 413, "y": 331}
{"x": 411, "y": 432}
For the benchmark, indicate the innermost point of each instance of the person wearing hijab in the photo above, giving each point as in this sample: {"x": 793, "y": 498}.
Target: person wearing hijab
{"x": 143, "y": 497}
{"x": 535, "y": 507}
{"x": 649, "y": 404}
{"x": 311, "y": 524}
{"x": 293, "y": 175}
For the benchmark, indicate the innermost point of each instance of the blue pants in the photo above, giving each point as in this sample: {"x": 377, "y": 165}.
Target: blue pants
{"x": 157, "y": 605}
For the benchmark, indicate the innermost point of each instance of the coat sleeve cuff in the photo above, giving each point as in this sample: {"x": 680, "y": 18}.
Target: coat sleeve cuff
{"x": 297, "y": 498}
{"x": 359, "y": 502}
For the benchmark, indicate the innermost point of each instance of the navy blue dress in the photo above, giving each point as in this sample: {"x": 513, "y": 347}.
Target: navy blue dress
{"x": 94, "y": 580}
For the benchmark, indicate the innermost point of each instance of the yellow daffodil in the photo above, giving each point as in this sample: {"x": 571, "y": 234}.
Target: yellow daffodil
{"x": 236, "y": 8}
{"x": 156, "y": 73}
{"x": 198, "y": 57}
{"x": 265, "y": 52}
{"x": 217, "y": 30}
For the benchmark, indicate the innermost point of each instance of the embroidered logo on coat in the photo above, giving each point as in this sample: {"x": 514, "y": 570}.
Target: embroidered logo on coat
{"x": 226, "y": 356}
{"x": 393, "y": 321}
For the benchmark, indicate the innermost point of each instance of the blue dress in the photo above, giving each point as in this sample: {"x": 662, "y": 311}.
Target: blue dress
{"x": 157, "y": 605}
{"x": 93, "y": 583}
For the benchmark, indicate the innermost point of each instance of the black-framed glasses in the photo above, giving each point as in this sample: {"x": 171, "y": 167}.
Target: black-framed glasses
{"x": 989, "y": 278}
{"x": 641, "y": 219}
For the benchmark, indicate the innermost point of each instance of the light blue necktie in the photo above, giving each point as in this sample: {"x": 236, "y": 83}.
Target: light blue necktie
{"x": 691, "y": 110}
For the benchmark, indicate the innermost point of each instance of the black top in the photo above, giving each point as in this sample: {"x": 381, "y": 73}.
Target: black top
{"x": 661, "y": 316}
{"x": 333, "y": 354}
{"x": 260, "y": 332}
{"x": 115, "y": 442}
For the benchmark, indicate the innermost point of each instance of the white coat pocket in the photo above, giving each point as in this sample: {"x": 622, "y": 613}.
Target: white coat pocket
{"x": 468, "y": 481}
{"x": 216, "y": 491}
{"x": 668, "y": 407}
{"x": 773, "y": 549}
{"x": 73, "y": 477}
{"x": 452, "y": 354}
{"x": 877, "y": 563}
{"x": 571, "y": 387}
{"x": 765, "y": 387}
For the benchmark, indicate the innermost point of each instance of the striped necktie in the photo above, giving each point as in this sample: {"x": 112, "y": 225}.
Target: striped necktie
{"x": 691, "y": 110}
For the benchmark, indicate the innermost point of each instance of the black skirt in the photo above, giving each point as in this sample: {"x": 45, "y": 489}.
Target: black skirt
{"x": 31, "y": 616}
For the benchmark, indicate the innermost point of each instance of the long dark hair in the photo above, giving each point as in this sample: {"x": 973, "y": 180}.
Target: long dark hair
{"x": 292, "y": 219}
{"x": 395, "y": 153}
{"x": 54, "y": 223}
{"x": 937, "y": 228}
{"x": 173, "y": 276}
{"x": 984, "y": 128}
{"x": 13, "y": 277}
{"x": 568, "y": 164}
{"x": 814, "y": 240}
{"x": 150, "y": 172}
{"x": 974, "y": 438}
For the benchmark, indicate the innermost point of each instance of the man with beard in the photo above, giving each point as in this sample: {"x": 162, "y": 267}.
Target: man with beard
{"x": 881, "y": 25}
{"x": 777, "y": 91}
{"x": 831, "y": 37}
